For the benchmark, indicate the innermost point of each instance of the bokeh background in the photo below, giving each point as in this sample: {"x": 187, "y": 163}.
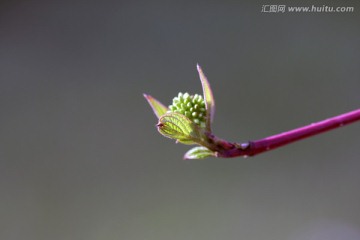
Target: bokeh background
{"x": 80, "y": 157}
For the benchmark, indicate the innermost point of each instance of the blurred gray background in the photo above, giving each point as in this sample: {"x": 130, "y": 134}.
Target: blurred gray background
{"x": 80, "y": 157}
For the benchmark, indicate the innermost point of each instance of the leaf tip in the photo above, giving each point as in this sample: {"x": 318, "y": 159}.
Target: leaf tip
{"x": 198, "y": 68}
{"x": 159, "y": 125}
{"x": 158, "y": 108}
{"x": 208, "y": 97}
{"x": 185, "y": 158}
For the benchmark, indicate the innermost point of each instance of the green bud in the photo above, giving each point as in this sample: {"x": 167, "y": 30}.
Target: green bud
{"x": 192, "y": 106}
{"x": 199, "y": 153}
{"x": 180, "y": 128}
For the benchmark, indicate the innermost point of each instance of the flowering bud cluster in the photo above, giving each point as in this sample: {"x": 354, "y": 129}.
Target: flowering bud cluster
{"x": 191, "y": 106}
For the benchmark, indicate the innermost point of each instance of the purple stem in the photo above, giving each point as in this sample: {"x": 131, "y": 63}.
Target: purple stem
{"x": 255, "y": 147}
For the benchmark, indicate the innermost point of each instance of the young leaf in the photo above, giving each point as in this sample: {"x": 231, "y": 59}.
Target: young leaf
{"x": 198, "y": 153}
{"x": 209, "y": 98}
{"x": 177, "y": 126}
{"x": 158, "y": 108}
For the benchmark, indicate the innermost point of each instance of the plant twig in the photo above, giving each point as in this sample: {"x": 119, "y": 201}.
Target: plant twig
{"x": 252, "y": 148}
{"x": 188, "y": 120}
